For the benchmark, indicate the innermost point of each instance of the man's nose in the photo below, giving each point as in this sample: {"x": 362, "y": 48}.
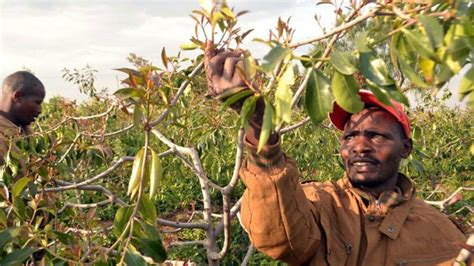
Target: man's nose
{"x": 361, "y": 145}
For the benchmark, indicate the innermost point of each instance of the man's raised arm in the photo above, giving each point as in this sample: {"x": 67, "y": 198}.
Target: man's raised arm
{"x": 279, "y": 219}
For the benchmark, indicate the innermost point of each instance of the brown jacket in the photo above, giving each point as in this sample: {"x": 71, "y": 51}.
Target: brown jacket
{"x": 8, "y": 130}
{"x": 335, "y": 224}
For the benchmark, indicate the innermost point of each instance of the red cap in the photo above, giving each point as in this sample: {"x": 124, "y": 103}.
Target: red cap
{"x": 339, "y": 116}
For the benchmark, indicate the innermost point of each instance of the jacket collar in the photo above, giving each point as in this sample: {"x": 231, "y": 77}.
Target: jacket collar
{"x": 394, "y": 205}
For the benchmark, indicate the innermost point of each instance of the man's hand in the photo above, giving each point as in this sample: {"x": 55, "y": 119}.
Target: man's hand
{"x": 222, "y": 71}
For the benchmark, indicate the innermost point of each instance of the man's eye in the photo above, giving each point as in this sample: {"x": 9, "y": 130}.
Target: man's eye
{"x": 348, "y": 137}
{"x": 377, "y": 136}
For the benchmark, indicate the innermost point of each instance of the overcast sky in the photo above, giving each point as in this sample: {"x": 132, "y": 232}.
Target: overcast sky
{"x": 47, "y": 36}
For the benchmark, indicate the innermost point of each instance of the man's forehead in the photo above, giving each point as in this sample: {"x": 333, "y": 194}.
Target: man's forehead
{"x": 373, "y": 114}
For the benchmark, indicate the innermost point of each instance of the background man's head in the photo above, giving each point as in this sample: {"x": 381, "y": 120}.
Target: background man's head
{"x": 22, "y": 96}
{"x": 374, "y": 141}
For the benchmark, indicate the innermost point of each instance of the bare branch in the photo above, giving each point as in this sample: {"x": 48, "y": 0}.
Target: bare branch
{"x": 187, "y": 225}
{"x": 188, "y": 243}
{"x": 443, "y": 204}
{"x": 92, "y": 116}
{"x": 91, "y": 180}
{"x": 338, "y": 29}
{"x": 180, "y": 91}
{"x": 249, "y": 254}
{"x": 464, "y": 255}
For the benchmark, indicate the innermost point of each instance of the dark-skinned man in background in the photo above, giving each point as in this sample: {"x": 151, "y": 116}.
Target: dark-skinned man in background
{"x": 22, "y": 96}
{"x": 370, "y": 216}
{"x": 20, "y": 105}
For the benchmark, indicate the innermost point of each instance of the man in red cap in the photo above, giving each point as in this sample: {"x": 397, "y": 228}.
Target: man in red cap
{"x": 370, "y": 216}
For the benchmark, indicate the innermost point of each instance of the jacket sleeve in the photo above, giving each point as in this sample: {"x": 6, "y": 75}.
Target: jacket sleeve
{"x": 279, "y": 219}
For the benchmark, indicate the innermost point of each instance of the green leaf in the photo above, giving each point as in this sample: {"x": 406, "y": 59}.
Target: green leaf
{"x": 66, "y": 239}
{"x": 379, "y": 93}
{"x": 151, "y": 248}
{"x": 188, "y": 46}
{"x": 410, "y": 73}
{"x": 375, "y": 69}
{"x": 228, "y": 12}
{"x": 136, "y": 171}
{"x": 433, "y": 28}
{"x": 456, "y": 54}
{"x": 122, "y": 217}
{"x": 466, "y": 85}
{"x": 345, "y": 90}
{"x": 3, "y": 219}
{"x": 362, "y": 43}
{"x": 18, "y": 256}
{"x": 129, "y": 71}
{"x": 427, "y": 67}
{"x": 283, "y": 96}
{"x": 19, "y": 186}
{"x": 156, "y": 173}
{"x": 267, "y": 125}
{"x": 273, "y": 58}
{"x": 248, "y": 108}
{"x": 344, "y": 62}
{"x": 137, "y": 115}
{"x": 318, "y": 97}
{"x": 164, "y": 58}
{"x": 420, "y": 43}
{"x": 250, "y": 66}
{"x": 147, "y": 210}
{"x": 134, "y": 259}
{"x": 7, "y": 235}
{"x": 236, "y": 97}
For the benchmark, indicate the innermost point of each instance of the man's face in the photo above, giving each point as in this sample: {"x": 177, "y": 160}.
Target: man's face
{"x": 29, "y": 107}
{"x": 372, "y": 146}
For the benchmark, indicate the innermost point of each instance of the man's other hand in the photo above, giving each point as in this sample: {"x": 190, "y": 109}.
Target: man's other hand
{"x": 222, "y": 72}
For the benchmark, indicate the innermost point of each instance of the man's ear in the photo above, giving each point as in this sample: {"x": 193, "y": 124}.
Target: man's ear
{"x": 407, "y": 147}
{"x": 16, "y": 96}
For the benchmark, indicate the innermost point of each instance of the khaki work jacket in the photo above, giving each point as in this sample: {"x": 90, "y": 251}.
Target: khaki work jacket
{"x": 335, "y": 224}
{"x": 8, "y": 130}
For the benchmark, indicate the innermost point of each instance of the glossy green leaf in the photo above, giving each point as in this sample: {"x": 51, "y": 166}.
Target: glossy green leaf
{"x": 466, "y": 85}
{"x": 147, "y": 210}
{"x": 456, "y": 54}
{"x": 66, "y": 239}
{"x": 283, "y": 96}
{"x": 273, "y": 58}
{"x": 17, "y": 257}
{"x": 375, "y": 69}
{"x": 433, "y": 28}
{"x": 3, "y": 219}
{"x": 164, "y": 58}
{"x": 344, "y": 62}
{"x": 228, "y": 12}
{"x": 19, "y": 186}
{"x": 135, "y": 177}
{"x": 410, "y": 73}
{"x": 188, "y": 46}
{"x": 379, "y": 93}
{"x": 236, "y": 97}
{"x": 427, "y": 68}
{"x": 137, "y": 115}
{"x": 420, "y": 43}
{"x": 318, "y": 97}
{"x": 134, "y": 259}
{"x": 8, "y": 235}
{"x": 267, "y": 125}
{"x": 122, "y": 217}
{"x": 250, "y": 66}
{"x": 362, "y": 43}
{"x": 248, "y": 108}
{"x": 156, "y": 173}
{"x": 345, "y": 90}
{"x": 151, "y": 248}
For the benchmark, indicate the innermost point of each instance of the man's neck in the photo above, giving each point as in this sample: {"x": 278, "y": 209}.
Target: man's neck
{"x": 8, "y": 116}
{"x": 389, "y": 185}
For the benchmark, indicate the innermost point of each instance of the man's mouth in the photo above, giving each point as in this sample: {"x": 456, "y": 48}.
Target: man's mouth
{"x": 363, "y": 164}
